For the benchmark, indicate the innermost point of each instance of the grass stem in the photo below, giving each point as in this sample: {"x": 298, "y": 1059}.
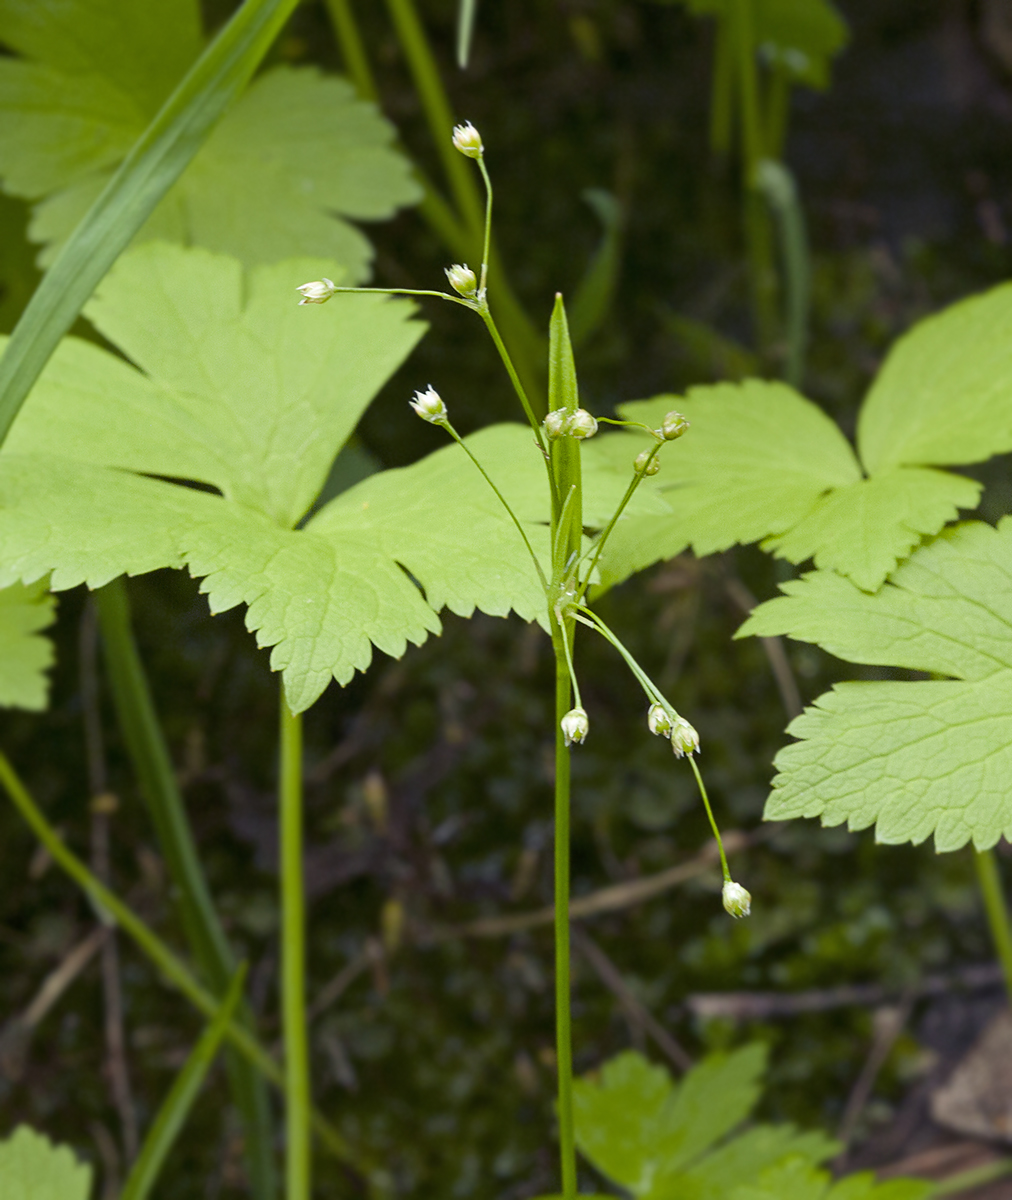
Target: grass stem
{"x": 997, "y": 911}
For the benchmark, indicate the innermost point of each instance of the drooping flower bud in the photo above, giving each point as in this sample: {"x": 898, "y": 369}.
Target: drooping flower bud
{"x": 429, "y": 405}
{"x": 555, "y": 423}
{"x": 658, "y": 720}
{"x": 575, "y": 726}
{"x": 317, "y": 292}
{"x": 645, "y": 465}
{"x": 684, "y": 739}
{"x": 581, "y": 424}
{"x": 737, "y": 901}
{"x": 673, "y": 426}
{"x": 467, "y": 140}
{"x": 462, "y": 279}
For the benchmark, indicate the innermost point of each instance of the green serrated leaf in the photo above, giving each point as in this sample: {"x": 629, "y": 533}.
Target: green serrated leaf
{"x": 917, "y": 758}
{"x": 32, "y": 1168}
{"x": 295, "y": 156}
{"x": 799, "y": 1180}
{"x": 24, "y": 655}
{"x": 944, "y": 394}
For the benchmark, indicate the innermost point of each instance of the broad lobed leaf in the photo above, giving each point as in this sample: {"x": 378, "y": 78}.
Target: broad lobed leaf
{"x": 296, "y": 155}
{"x": 24, "y": 654}
{"x": 917, "y": 758}
{"x": 32, "y": 1168}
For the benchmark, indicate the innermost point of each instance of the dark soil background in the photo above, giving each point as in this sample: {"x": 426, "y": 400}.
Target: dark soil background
{"x": 429, "y": 801}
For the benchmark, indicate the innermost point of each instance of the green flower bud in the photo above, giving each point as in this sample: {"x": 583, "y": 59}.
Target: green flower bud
{"x": 317, "y": 292}
{"x": 645, "y": 465}
{"x": 684, "y": 739}
{"x": 575, "y": 726}
{"x": 658, "y": 720}
{"x": 555, "y": 423}
{"x": 429, "y": 406}
{"x": 462, "y": 279}
{"x": 737, "y": 901}
{"x": 467, "y": 140}
{"x": 581, "y": 424}
{"x": 673, "y": 426}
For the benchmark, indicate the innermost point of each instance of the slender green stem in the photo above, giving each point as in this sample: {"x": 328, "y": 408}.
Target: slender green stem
{"x": 748, "y": 88}
{"x": 599, "y": 545}
{"x": 781, "y": 193}
{"x": 778, "y": 111}
{"x": 590, "y": 618}
{"x": 997, "y": 911}
{"x": 293, "y": 959}
{"x": 502, "y": 500}
{"x": 511, "y": 370}
{"x": 709, "y": 813}
{"x": 569, "y": 659}
{"x": 149, "y": 754}
{"x": 383, "y": 291}
{"x": 352, "y": 48}
{"x": 113, "y": 910}
{"x": 563, "y": 1026}
{"x": 488, "y": 226}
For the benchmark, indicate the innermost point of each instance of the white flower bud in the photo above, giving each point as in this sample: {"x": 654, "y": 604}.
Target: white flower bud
{"x": 429, "y": 405}
{"x": 575, "y": 726}
{"x": 467, "y": 140}
{"x": 581, "y": 424}
{"x": 658, "y": 721}
{"x": 737, "y": 901}
{"x": 555, "y": 423}
{"x": 462, "y": 280}
{"x": 645, "y": 465}
{"x": 684, "y": 739}
{"x": 318, "y": 292}
{"x": 673, "y": 426}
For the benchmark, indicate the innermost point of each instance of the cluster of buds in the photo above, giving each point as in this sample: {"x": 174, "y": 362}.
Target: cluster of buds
{"x": 562, "y": 423}
{"x": 575, "y": 726}
{"x": 665, "y": 723}
{"x": 317, "y": 292}
{"x": 673, "y": 426}
{"x": 429, "y": 406}
{"x": 737, "y": 901}
{"x": 463, "y": 281}
{"x": 467, "y": 140}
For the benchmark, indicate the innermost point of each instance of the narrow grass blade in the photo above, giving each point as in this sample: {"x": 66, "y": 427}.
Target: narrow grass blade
{"x": 465, "y": 30}
{"x": 596, "y": 292}
{"x": 152, "y": 167}
{"x": 182, "y": 1094}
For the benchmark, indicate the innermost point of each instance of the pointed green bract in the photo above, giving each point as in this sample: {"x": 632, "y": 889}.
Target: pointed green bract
{"x": 24, "y": 654}
{"x": 296, "y": 155}
{"x": 917, "y": 758}
{"x": 32, "y": 1168}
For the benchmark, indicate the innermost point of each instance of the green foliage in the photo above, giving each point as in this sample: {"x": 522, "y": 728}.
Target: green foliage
{"x": 657, "y": 1139}
{"x": 767, "y": 465}
{"x": 32, "y": 1168}
{"x": 295, "y": 156}
{"x": 802, "y": 35}
{"x": 24, "y": 655}
{"x": 914, "y": 758}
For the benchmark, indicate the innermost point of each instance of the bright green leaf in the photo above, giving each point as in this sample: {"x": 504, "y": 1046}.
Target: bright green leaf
{"x": 295, "y": 156}
{"x": 917, "y": 758}
{"x": 32, "y": 1168}
{"x": 24, "y": 655}
{"x": 799, "y": 1180}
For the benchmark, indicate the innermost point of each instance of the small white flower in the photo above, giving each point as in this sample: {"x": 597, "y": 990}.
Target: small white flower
{"x": 658, "y": 720}
{"x": 673, "y": 426}
{"x": 737, "y": 901}
{"x": 317, "y": 292}
{"x": 684, "y": 739}
{"x": 645, "y": 465}
{"x": 467, "y": 140}
{"x": 429, "y": 405}
{"x": 462, "y": 279}
{"x": 555, "y": 423}
{"x": 575, "y": 726}
{"x": 581, "y": 424}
